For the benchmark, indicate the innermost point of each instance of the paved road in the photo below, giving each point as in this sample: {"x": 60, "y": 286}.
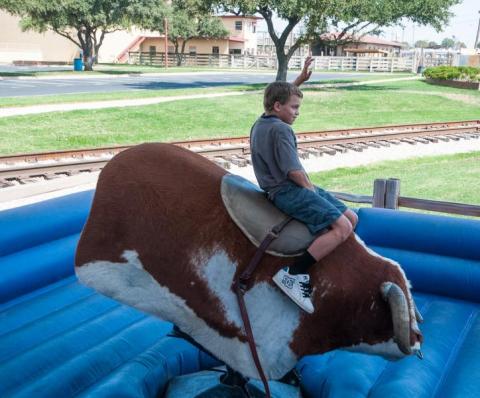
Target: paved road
{"x": 20, "y": 87}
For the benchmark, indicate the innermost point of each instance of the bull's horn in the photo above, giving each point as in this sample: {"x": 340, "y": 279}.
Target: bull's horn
{"x": 418, "y": 316}
{"x": 400, "y": 316}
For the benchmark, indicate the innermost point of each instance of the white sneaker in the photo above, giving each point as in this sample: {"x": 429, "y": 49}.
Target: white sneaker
{"x": 297, "y": 287}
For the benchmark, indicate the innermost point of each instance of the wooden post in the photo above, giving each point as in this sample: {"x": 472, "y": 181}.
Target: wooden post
{"x": 379, "y": 190}
{"x": 392, "y": 193}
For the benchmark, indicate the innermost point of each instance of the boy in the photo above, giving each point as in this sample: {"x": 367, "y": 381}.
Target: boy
{"x": 279, "y": 173}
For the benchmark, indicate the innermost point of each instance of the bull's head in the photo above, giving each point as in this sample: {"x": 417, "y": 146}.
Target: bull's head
{"x": 365, "y": 301}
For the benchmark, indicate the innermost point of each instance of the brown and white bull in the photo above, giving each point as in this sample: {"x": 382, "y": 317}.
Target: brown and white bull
{"x": 159, "y": 238}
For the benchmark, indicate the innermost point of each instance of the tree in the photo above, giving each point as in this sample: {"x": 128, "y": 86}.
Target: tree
{"x": 432, "y": 44}
{"x": 186, "y": 20}
{"x": 352, "y": 18}
{"x": 83, "y": 22}
{"x": 448, "y": 43}
{"x": 421, "y": 44}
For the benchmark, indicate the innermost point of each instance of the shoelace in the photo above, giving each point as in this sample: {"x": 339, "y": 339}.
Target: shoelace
{"x": 306, "y": 289}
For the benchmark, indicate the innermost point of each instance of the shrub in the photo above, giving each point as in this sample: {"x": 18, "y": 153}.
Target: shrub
{"x": 466, "y": 73}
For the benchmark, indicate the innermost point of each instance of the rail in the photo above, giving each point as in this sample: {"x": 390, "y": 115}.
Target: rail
{"x": 386, "y": 194}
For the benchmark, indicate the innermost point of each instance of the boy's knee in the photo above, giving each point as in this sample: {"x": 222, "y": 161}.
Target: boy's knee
{"x": 342, "y": 228}
{"x": 353, "y": 218}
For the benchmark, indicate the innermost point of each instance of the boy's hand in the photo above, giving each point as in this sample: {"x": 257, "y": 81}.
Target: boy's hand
{"x": 305, "y": 73}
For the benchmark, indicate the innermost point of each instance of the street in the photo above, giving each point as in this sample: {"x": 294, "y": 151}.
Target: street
{"x": 15, "y": 87}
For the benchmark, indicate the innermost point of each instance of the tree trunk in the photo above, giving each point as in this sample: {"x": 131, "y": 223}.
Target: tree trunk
{"x": 282, "y": 66}
{"x": 87, "y": 48}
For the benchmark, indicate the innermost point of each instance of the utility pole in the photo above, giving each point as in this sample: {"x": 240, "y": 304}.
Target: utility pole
{"x": 478, "y": 34}
{"x": 165, "y": 22}
{"x": 165, "y": 28}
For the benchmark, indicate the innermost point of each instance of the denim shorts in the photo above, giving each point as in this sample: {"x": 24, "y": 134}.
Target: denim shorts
{"x": 317, "y": 210}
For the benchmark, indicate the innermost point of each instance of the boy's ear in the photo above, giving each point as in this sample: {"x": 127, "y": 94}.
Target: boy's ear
{"x": 276, "y": 106}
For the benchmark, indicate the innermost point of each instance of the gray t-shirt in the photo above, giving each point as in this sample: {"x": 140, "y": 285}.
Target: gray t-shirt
{"x": 273, "y": 147}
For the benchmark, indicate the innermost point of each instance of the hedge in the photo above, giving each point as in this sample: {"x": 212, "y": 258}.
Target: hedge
{"x": 464, "y": 73}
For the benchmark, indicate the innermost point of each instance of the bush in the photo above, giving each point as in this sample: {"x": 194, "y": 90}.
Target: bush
{"x": 464, "y": 73}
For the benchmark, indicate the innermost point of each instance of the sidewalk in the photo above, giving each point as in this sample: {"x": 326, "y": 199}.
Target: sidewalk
{"x": 72, "y": 106}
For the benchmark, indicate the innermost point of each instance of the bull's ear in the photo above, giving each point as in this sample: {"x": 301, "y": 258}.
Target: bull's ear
{"x": 395, "y": 297}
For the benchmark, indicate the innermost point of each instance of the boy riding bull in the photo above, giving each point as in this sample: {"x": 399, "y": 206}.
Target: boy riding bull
{"x": 280, "y": 174}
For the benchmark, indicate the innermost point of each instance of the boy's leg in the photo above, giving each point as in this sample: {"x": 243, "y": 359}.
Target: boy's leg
{"x": 319, "y": 213}
{"x": 339, "y": 231}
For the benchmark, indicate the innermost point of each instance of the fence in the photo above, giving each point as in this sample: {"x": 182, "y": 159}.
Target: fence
{"x": 386, "y": 194}
{"x": 362, "y": 64}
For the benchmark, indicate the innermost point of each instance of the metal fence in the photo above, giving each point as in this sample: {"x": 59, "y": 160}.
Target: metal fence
{"x": 362, "y": 64}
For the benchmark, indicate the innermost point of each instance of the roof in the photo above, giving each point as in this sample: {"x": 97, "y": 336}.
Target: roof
{"x": 237, "y": 39}
{"x": 239, "y": 16}
{"x": 368, "y": 39}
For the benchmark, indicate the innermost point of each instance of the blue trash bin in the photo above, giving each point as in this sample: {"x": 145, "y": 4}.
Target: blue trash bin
{"x": 77, "y": 64}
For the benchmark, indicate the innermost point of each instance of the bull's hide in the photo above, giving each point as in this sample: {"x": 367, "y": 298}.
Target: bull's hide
{"x": 159, "y": 239}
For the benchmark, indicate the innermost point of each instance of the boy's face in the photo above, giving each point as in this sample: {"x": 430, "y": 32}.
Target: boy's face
{"x": 289, "y": 111}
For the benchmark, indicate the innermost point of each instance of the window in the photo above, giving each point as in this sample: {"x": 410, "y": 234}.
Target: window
{"x": 254, "y": 28}
{"x": 238, "y": 25}
{"x": 192, "y": 50}
{"x": 153, "y": 50}
{"x": 215, "y": 50}
{"x": 171, "y": 49}
{"x": 235, "y": 51}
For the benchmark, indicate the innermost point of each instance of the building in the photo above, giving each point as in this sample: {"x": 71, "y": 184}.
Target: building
{"x": 18, "y": 46}
{"x": 30, "y": 47}
{"x": 265, "y": 45}
{"x": 241, "y": 40}
{"x": 365, "y": 46}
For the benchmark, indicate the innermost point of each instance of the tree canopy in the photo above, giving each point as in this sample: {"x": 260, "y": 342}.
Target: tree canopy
{"x": 448, "y": 43}
{"x": 347, "y": 17}
{"x": 83, "y": 22}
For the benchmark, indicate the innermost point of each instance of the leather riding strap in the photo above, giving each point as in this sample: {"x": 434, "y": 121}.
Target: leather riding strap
{"x": 240, "y": 287}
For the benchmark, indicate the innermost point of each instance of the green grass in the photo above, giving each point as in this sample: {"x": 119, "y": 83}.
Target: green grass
{"x": 452, "y": 178}
{"x": 226, "y": 116}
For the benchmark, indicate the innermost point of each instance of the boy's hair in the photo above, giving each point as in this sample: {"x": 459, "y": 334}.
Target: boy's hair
{"x": 281, "y": 92}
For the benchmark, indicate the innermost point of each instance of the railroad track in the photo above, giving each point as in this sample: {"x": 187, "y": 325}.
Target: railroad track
{"x": 25, "y": 168}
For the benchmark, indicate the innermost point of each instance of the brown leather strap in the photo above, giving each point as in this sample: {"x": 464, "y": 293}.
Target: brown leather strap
{"x": 240, "y": 288}
{"x": 272, "y": 234}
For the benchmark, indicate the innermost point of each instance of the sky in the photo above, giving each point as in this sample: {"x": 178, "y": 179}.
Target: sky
{"x": 463, "y": 25}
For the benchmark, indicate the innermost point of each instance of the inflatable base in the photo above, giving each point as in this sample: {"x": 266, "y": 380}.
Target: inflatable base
{"x": 207, "y": 384}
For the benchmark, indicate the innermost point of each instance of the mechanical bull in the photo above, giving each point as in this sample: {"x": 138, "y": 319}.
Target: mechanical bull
{"x": 160, "y": 238}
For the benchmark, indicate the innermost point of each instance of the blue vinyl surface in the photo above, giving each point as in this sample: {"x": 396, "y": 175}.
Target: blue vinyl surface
{"x": 61, "y": 339}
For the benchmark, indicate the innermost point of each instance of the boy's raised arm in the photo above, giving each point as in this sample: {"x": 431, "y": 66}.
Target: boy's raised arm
{"x": 305, "y": 73}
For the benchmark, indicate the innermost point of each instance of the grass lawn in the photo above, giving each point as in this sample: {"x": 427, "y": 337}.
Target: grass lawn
{"x": 231, "y": 116}
{"x": 452, "y": 178}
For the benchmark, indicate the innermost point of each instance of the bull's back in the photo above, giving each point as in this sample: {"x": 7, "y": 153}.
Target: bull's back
{"x": 143, "y": 201}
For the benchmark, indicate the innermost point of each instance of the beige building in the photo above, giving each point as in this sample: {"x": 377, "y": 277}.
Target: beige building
{"x": 17, "y": 46}
{"x": 241, "y": 40}
{"x": 366, "y": 46}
